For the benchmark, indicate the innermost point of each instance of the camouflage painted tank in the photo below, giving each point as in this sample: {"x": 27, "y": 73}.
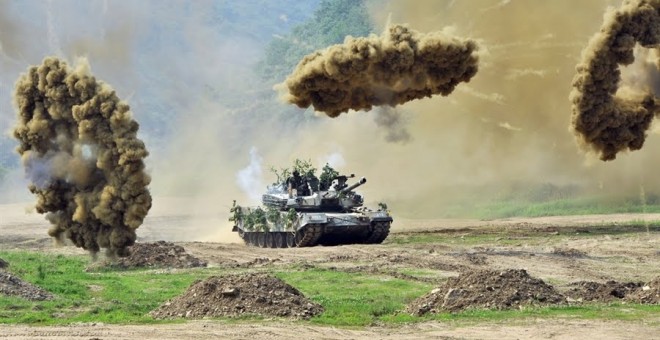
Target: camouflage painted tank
{"x": 304, "y": 211}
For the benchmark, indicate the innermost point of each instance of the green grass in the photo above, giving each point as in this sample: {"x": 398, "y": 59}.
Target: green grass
{"x": 577, "y": 206}
{"x": 503, "y": 236}
{"x": 352, "y": 299}
{"x": 484, "y": 206}
{"x": 624, "y": 312}
{"x": 349, "y": 299}
{"x": 109, "y": 297}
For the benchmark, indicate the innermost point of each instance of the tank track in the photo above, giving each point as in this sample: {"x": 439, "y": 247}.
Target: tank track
{"x": 379, "y": 233}
{"x": 309, "y": 237}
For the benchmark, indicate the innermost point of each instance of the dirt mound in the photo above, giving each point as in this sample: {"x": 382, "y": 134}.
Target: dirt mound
{"x": 3, "y": 264}
{"x": 489, "y": 289}
{"x": 157, "y": 255}
{"x": 649, "y": 293}
{"x": 603, "y": 292}
{"x": 609, "y": 291}
{"x": 235, "y": 295}
{"x": 13, "y": 286}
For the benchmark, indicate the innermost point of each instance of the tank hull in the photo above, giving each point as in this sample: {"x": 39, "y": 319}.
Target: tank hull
{"x": 286, "y": 229}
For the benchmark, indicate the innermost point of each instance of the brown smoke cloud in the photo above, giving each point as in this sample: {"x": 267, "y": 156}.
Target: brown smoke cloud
{"x": 506, "y": 128}
{"x": 604, "y": 120}
{"x": 79, "y": 145}
{"x": 399, "y": 66}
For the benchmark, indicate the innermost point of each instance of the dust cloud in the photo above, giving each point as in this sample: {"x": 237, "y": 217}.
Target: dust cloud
{"x": 394, "y": 123}
{"x": 7, "y": 32}
{"x": 79, "y": 147}
{"x": 605, "y": 120}
{"x": 399, "y": 66}
{"x": 504, "y": 130}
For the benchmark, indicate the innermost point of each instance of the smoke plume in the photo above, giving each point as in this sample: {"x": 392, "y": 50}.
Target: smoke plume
{"x": 79, "y": 145}
{"x": 397, "y": 67}
{"x": 394, "y": 123}
{"x": 605, "y": 120}
{"x": 249, "y": 179}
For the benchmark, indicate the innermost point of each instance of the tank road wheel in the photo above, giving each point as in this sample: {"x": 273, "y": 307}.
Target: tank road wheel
{"x": 270, "y": 240}
{"x": 246, "y": 238}
{"x": 261, "y": 239}
{"x": 243, "y": 236}
{"x": 278, "y": 240}
{"x": 379, "y": 233}
{"x": 290, "y": 239}
{"x": 252, "y": 239}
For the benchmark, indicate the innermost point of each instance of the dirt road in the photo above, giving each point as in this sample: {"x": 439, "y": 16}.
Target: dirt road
{"x": 532, "y": 329}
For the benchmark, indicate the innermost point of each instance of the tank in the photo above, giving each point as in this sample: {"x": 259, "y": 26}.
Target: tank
{"x": 305, "y": 211}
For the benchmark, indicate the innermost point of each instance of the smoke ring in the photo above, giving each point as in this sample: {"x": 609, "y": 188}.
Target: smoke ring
{"x": 602, "y": 120}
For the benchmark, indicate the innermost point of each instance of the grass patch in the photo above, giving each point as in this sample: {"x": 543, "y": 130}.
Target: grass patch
{"x": 523, "y": 201}
{"x": 109, "y": 297}
{"x": 624, "y": 312}
{"x": 354, "y": 299}
{"x": 504, "y": 236}
{"x": 572, "y": 206}
{"x": 349, "y": 299}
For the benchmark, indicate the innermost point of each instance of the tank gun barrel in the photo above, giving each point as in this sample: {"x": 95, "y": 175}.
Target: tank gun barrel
{"x": 353, "y": 186}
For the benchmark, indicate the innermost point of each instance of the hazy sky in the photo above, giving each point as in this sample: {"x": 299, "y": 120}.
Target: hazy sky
{"x": 172, "y": 61}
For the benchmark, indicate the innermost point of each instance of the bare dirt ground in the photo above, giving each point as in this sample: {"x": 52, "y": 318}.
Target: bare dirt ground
{"x": 559, "y": 250}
